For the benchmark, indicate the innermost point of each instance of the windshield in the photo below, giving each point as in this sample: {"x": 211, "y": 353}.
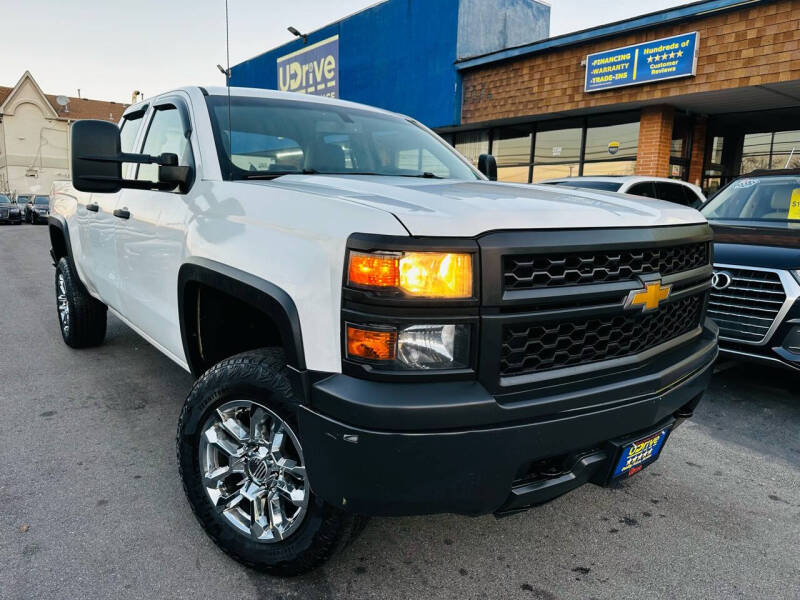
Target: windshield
{"x": 23, "y": 199}
{"x": 608, "y": 186}
{"x": 272, "y": 137}
{"x": 4, "y": 199}
{"x": 757, "y": 199}
{"x": 41, "y": 200}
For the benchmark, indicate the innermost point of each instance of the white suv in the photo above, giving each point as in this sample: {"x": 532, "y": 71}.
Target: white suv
{"x": 375, "y": 328}
{"x": 661, "y": 188}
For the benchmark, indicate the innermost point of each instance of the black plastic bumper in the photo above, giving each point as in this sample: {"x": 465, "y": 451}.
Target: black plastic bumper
{"x": 389, "y": 449}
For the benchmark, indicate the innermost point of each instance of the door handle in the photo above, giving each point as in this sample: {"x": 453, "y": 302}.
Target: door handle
{"x": 122, "y": 213}
{"x": 93, "y": 207}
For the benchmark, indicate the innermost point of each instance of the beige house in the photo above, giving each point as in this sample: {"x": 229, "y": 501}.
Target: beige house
{"x": 34, "y": 134}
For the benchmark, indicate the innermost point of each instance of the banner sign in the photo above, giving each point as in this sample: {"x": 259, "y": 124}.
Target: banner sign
{"x": 311, "y": 70}
{"x": 658, "y": 60}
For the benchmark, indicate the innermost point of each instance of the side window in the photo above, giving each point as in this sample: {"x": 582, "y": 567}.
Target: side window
{"x": 165, "y": 134}
{"x": 693, "y": 199}
{"x": 642, "y": 189}
{"x": 127, "y": 134}
{"x": 671, "y": 192}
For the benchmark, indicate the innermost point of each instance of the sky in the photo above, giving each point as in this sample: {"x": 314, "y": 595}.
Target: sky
{"x": 107, "y": 49}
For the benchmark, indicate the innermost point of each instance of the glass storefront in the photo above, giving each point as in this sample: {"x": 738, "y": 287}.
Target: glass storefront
{"x": 553, "y": 149}
{"x": 472, "y": 144}
{"x": 511, "y": 147}
{"x": 611, "y": 149}
{"x": 740, "y": 143}
{"x": 557, "y": 153}
{"x": 785, "y": 150}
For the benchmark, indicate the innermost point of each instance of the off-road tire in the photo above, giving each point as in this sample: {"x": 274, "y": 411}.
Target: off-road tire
{"x": 87, "y": 315}
{"x": 259, "y": 375}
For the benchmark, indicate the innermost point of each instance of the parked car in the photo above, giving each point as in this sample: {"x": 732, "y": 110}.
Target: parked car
{"x": 22, "y": 200}
{"x": 332, "y": 280}
{"x": 671, "y": 190}
{"x": 37, "y": 209}
{"x": 9, "y": 211}
{"x": 756, "y": 222}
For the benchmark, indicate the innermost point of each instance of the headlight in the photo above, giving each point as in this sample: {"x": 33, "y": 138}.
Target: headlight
{"x": 419, "y": 347}
{"x": 416, "y": 274}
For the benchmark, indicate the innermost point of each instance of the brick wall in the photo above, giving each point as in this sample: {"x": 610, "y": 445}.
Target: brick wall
{"x": 655, "y": 135}
{"x": 745, "y": 47}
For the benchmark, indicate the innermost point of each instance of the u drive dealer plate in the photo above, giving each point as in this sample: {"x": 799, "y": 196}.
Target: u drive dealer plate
{"x": 637, "y": 455}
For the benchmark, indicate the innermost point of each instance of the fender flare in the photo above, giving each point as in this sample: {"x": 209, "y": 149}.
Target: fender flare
{"x": 60, "y": 224}
{"x": 258, "y": 293}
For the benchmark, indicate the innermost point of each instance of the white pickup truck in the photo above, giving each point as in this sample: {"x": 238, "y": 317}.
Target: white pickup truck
{"x": 376, "y": 327}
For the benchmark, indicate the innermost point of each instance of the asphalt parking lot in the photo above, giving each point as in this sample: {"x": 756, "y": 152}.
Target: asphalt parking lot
{"x": 92, "y": 506}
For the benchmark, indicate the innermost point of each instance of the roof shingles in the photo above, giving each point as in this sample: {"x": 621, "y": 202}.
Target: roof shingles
{"x": 79, "y": 108}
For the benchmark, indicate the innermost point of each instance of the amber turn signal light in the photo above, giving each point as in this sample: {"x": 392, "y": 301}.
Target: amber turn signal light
{"x": 371, "y": 344}
{"x": 373, "y": 270}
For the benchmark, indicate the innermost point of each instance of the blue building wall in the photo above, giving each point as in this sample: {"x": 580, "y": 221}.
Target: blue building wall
{"x": 486, "y": 26}
{"x": 400, "y": 55}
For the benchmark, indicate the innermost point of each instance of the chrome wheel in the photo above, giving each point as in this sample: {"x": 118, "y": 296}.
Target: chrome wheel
{"x": 253, "y": 471}
{"x": 63, "y": 304}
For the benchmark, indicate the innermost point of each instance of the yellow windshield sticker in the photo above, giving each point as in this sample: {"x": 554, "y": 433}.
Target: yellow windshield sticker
{"x": 794, "y": 205}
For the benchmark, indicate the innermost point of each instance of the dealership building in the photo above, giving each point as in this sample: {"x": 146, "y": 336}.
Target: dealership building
{"x": 701, "y": 92}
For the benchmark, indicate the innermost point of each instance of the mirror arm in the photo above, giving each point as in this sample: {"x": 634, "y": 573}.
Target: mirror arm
{"x": 134, "y": 184}
{"x": 167, "y": 159}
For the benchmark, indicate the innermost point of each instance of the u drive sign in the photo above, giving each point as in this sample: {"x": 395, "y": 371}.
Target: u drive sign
{"x": 311, "y": 70}
{"x": 648, "y": 62}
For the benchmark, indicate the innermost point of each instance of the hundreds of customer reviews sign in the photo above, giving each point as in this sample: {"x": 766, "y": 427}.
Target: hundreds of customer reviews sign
{"x": 311, "y": 70}
{"x": 666, "y": 58}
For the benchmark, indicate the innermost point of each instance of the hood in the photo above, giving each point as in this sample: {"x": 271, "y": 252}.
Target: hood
{"x": 442, "y": 207}
{"x": 762, "y": 233}
{"x": 773, "y": 245}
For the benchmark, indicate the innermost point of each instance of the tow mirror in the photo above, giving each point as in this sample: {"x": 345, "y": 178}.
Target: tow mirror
{"x": 97, "y": 162}
{"x": 95, "y": 153}
{"x": 488, "y": 166}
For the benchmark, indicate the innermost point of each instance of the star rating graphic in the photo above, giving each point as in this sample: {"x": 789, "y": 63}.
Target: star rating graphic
{"x": 665, "y": 56}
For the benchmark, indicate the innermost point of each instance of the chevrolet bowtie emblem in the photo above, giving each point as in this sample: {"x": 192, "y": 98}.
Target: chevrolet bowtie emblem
{"x": 649, "y": 298}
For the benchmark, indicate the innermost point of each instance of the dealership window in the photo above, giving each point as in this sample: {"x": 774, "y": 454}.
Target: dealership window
{"x": 557, "y": 153}
{"x": 756, "y": 151}
{"x": 785, "y": 150}
{"x": 771, "y": 150}
{"x": 611, "y": 149}
{"x": 511, "y": 147}
{"x": 713, "y": 173}
{"x": 605, "y": 145}
{"x": 680, "y": 147}
{"x": 472, "y": 144}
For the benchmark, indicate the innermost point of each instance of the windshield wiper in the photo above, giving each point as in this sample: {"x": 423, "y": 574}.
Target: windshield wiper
{"x": 275, "y": 174}
{"x": 424, "y": 175}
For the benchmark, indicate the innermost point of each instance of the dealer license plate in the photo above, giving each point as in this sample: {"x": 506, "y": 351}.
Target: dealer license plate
{"x": 637, "y": 455}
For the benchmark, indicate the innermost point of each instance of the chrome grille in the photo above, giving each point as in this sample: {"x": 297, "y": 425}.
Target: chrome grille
{"x": 747, "y": 308}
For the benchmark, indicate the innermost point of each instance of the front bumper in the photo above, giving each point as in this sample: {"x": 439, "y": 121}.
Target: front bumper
{"x": 379, "y": 448}
{"x": 11, "y": 219}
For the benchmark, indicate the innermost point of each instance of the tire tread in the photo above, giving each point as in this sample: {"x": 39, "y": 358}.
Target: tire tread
{"x": 267, "y": 368}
